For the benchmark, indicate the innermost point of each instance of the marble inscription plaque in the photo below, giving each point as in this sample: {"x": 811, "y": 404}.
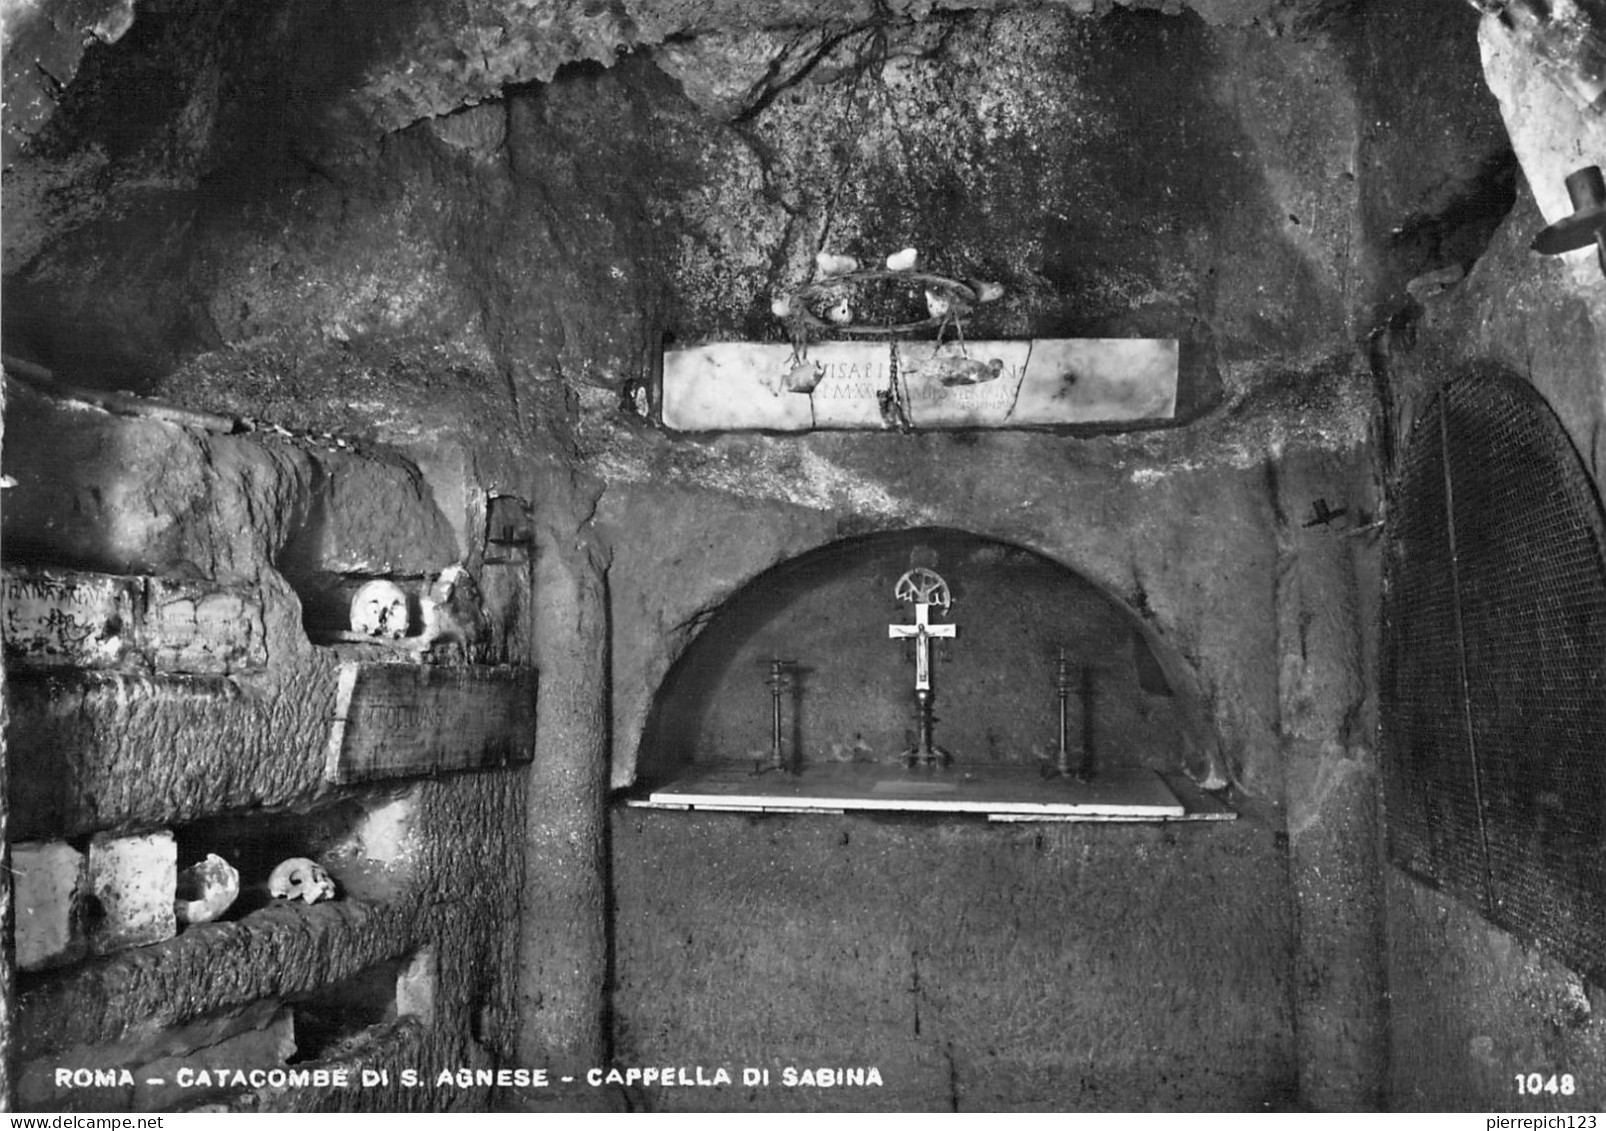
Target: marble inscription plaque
{"x": 743, "y": 385}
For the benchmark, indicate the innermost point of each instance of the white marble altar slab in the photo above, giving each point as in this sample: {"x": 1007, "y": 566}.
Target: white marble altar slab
{"x": 988, "y": 790}
{"x": 728, "y": 386}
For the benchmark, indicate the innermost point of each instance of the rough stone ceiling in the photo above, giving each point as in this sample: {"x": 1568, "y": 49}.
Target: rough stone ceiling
{"x": 231, "y": 200}
{"x": 390, "y": 64}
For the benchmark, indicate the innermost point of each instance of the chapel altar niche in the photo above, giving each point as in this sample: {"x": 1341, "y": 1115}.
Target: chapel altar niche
{"x": 815, "y": 644}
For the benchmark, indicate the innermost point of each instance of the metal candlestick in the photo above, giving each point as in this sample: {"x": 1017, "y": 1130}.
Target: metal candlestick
{"x": 1063, "y": 686}
{"x": 1062, "y": 758}
{"x": 1062, "y": 683}
{"x": 780, "y": 681}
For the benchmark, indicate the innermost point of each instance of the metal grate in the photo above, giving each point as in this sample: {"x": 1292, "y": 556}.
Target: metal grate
{"x": 1494, "y": 668}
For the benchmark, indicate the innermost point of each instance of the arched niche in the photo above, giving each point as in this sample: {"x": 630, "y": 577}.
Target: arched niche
{"x": 1132, "y": 701}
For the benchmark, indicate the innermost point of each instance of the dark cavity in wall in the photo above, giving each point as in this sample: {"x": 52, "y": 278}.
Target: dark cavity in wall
{"x": 1461, "y": 223}
{"x": 332, "y": 834}
{"x": 335, "y": 1019}
{"x": 1437, "y": 172}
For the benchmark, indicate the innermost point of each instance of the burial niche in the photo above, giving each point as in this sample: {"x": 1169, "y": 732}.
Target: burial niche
{"x": 813, "y": 676}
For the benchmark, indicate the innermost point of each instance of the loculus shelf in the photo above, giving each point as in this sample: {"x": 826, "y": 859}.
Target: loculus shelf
{"x": 1000, "y": 793}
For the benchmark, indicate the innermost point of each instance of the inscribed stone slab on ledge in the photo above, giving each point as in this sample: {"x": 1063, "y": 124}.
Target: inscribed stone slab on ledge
{"x": 739, "y": 385}
{"x": 396, "y": 720}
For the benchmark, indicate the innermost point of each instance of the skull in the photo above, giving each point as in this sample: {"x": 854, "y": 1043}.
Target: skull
{"x": 379, "y": 609}
{"x": 300, "y": 878}
{"x": 205, "y": 890}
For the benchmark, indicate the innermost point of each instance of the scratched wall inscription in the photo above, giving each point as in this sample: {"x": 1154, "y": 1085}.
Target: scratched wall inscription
{"x": 395, "y": 720}
{"x": 106, "y": 621}
{"x": 53, "y": 621}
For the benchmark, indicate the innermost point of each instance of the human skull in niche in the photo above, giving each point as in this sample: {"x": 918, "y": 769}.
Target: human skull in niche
{"x": 300, "y": 878}
{"x": 205, "y": 890}
{"x": 379, "y": 609}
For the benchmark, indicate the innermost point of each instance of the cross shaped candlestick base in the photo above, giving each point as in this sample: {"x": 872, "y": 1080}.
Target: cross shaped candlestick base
{"x": 924, "y": 589}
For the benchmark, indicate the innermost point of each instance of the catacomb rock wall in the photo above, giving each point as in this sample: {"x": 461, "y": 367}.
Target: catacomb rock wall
{"x": 212, "y": 736}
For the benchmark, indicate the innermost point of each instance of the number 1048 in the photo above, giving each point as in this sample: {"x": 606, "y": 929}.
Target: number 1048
{"x": 1538, "y": 1084}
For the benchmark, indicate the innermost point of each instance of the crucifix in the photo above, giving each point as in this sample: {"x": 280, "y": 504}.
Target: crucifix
{"x": 923, "y": 588}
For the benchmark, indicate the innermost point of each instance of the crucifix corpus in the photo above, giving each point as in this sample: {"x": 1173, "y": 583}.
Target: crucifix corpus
{"x": 924, "y": 589}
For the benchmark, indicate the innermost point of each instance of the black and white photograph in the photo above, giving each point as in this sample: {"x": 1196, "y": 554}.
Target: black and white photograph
{"x": 591, "y": 557}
